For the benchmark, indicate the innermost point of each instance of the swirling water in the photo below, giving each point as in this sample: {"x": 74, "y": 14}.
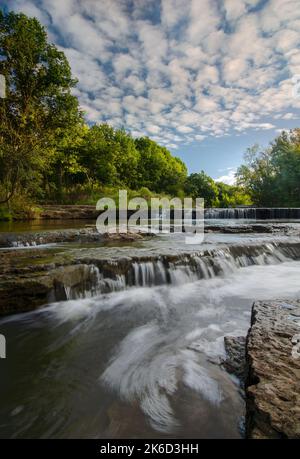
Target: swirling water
{"x": 143, "y": 359}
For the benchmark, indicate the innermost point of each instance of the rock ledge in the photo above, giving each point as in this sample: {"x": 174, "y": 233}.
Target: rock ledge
{"x": 273, "y": 378}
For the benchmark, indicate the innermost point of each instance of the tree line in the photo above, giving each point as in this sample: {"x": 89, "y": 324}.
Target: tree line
{"x": 49, "y": 154}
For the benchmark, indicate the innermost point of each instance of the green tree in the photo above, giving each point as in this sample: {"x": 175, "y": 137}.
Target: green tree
{"x": 127, "y": 159}
{"x": 66, "y": 168}
{"x": 202, "y": 186}
{"x": 272, "y": 176}
{"x": 232, "y": 196}
{"x": 258, "y": 176}
{"x": 285, "y": 154}
{"x": 38, "y": 103}
{"x": 99, "y": 154}
{"x": 158, "y": 170}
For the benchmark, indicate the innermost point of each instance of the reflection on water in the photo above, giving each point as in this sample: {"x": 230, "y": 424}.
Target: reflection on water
{"x": 143, "y": 362}
{"x": 43, "y": 225}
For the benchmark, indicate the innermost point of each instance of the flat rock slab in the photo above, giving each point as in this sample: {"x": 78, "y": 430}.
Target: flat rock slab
{"x": 273, "y": 381}
{"x": 27, "y": 239}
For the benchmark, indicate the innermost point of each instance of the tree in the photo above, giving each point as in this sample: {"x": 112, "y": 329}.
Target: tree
{"x": 202, "y": 186}
{"x": 285, "y": 153}
{"x": 65, "y": 168}
{"x": 98, "y": 154}
{"x": 158, "y": 170}
{"x": 232, "y": 196}
{"x": 272, "y": 176}
{"x": 257, "y": 176}
{"x": 127, "y": 159}
{"x": 38, "y": 103}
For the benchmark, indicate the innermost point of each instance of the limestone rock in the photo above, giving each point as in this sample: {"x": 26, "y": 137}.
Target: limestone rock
{"x": 273, "y": 380}
{"x": 33, "y": 289}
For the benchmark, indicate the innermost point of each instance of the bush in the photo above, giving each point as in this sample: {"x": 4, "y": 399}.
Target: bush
{"x": 5, "y": 215}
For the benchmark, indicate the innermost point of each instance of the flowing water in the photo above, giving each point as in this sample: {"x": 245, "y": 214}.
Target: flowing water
{"x": 138, "y": 353}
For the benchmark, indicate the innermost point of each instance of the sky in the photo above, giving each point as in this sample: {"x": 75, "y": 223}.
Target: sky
{"x": 205, "y": 78}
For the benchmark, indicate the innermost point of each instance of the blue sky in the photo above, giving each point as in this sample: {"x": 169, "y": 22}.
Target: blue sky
{"x": 206, "y": 78}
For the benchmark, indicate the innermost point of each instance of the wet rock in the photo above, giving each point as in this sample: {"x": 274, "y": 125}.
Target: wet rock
{"x": 235, "y": 362}
{"x": 273, "y": 377}
{"x": 248, "y": 228}
{"x": 130, "y": 236}
{"x": 48, "y": 237}
{"x": 29, "y": 291}
{"x": 89, "y": 234}
{"x": 115, "y": 265}
{"x": 69, "y": 212}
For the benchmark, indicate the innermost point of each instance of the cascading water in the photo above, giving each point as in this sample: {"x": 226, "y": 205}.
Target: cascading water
{"x": 184, "y": 269}
{"x": 238, "y": 213}
{"x": 250, "y": 213}
{"x": 136, "y": 351}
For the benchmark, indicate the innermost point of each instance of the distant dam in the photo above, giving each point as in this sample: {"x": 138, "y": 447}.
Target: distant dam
{"x": 251, "y": 213}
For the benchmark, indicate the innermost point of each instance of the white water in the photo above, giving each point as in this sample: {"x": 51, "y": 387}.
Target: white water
{"x": 153, "y": 358}
{"x": 136, "y": 362}
{"x": 183, "y": 268}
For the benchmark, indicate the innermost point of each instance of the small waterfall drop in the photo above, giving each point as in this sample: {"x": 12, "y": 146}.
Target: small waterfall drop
{"x": 181, "y": 269}
{"x": 252, "y": 213}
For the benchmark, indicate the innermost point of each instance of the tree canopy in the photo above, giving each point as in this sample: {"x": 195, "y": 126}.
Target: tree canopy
{"x": 38, "y": 107}
{"x": 272, "y": 176}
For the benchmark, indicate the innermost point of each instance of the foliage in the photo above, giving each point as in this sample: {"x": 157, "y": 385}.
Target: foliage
{"x": 202, "y": 186}
{"x": 232, "y": 196}
{"x": 272, "y": 176}
{"x": 38, "y": 102}
{"x": 215, "y": 194}
{"x": 158, "y": 169}
{"x": 46, "y": 151}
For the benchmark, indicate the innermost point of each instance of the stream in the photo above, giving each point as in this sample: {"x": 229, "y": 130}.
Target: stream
{"x": 140, "y": 356}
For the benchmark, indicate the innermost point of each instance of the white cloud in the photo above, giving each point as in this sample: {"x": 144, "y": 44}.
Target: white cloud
{"x": 234, "y": 9}
{"x": 185, "y": 129}
{"x": 228, "y": 178}
{"x": 200, "y": 137}
{"x": 179, "y": 70}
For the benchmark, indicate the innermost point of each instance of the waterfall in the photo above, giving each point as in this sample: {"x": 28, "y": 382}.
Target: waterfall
{"x": 238, "y": 213}
{"x": 181, "y": 269}
{"x": 251, "y": 213}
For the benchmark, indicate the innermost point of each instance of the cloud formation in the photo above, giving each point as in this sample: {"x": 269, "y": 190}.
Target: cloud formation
{"x": 179, "y": 70}
{"x": 229, "y": 177}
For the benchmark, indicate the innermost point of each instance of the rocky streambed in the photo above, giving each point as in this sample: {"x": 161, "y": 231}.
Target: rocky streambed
{"x": 34, "y": 276}
{"x": 145, "y": 319}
